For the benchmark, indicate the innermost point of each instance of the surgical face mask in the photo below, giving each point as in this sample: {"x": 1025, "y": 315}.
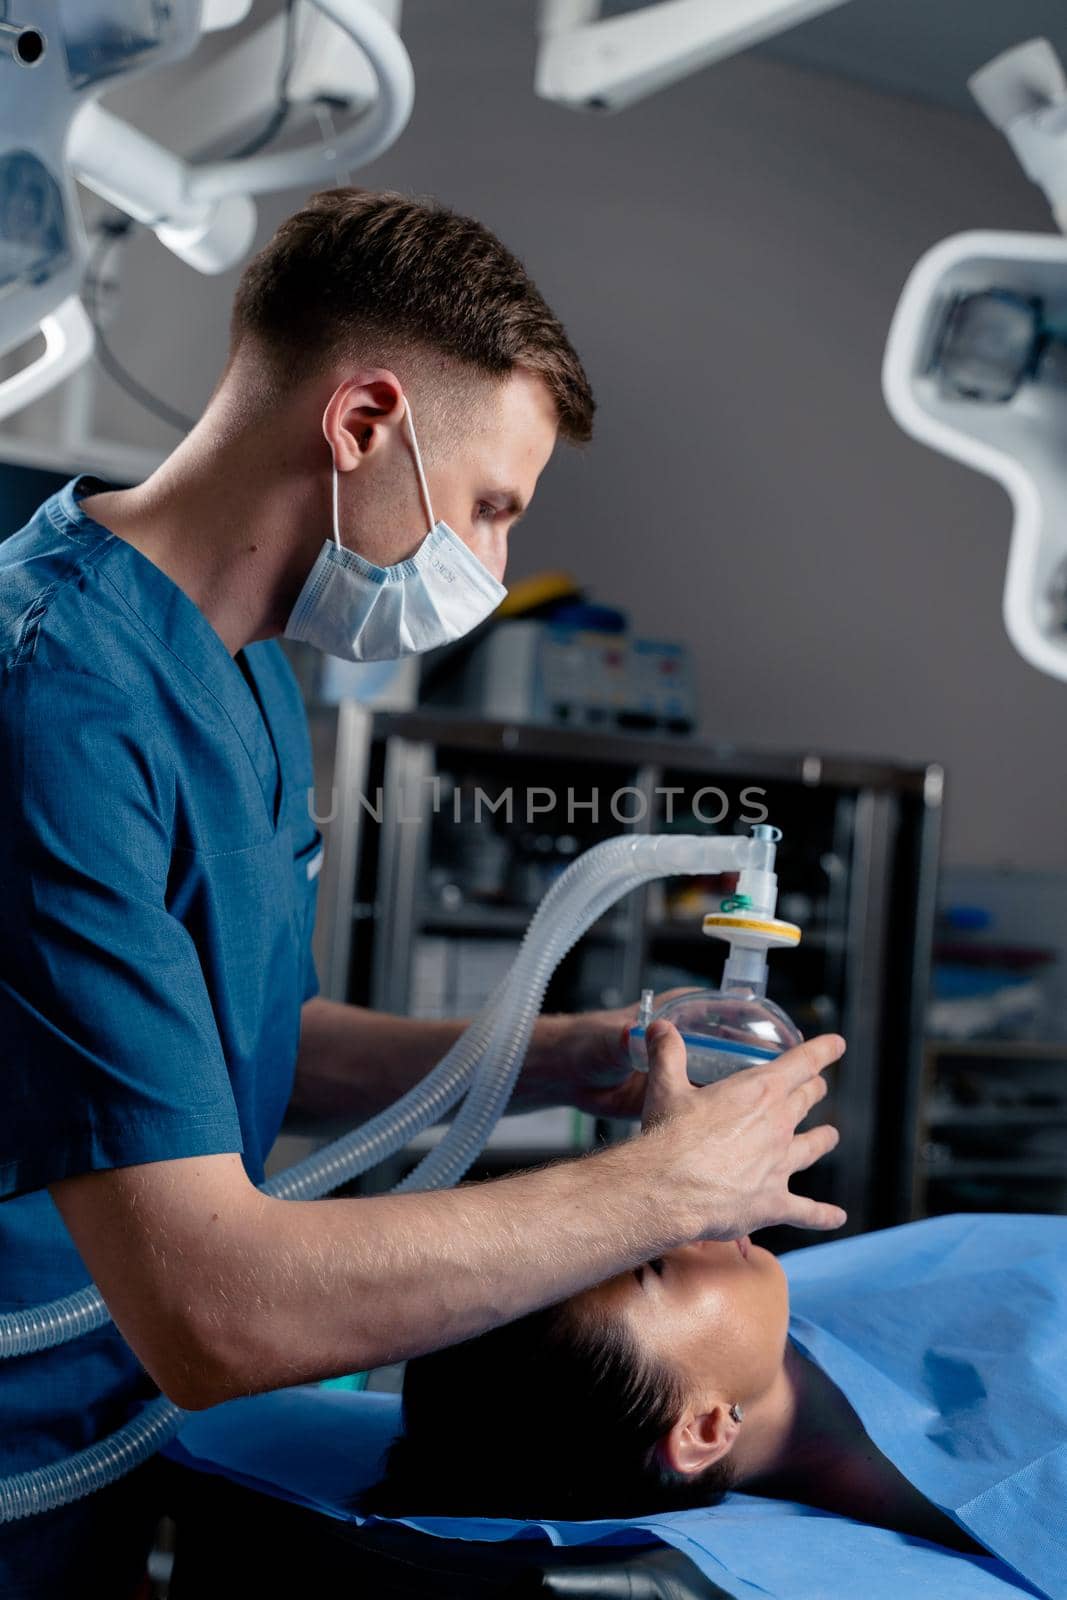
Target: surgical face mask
{"x": 353, "y": 609}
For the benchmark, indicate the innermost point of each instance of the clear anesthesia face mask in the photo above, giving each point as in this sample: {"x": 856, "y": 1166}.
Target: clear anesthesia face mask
{"x": 722, "y": 1031}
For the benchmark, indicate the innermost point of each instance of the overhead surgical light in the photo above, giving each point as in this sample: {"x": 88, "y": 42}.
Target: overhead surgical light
{"x": 56, "y": 64}
{"x": 54, "y": 131}
{"x": 593, "y": 62}
{"x": 976, "y": 360}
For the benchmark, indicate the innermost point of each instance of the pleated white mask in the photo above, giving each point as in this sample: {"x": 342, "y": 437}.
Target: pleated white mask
{"x": 353, "y": 609}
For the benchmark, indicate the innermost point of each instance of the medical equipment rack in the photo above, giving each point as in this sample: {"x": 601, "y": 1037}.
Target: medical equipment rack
{"x": 425, "y": 892}
{"x": 993, "y": 1127}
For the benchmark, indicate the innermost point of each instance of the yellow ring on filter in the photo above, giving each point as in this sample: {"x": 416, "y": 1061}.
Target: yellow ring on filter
{"x": 785, "y": 932}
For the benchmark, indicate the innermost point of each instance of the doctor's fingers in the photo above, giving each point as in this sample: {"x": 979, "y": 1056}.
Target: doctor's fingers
{"x": 807, "y": 1148}
{"x": 805, "y": 1061}
{"x": 806, "y": 1095}
{"x": 668, "y": 1081}
{"x": 805, "y": 1213}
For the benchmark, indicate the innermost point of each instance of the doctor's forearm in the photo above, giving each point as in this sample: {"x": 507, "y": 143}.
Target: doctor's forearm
{"x": 354, "y": 1062}
{"x": 370, "y": 1282}
{"x": 221, "y": 1290}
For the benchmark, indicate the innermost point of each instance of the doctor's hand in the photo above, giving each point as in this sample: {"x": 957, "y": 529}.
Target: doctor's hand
{"x": 584, "y": 1061}
{"x": 734, "y": 1144}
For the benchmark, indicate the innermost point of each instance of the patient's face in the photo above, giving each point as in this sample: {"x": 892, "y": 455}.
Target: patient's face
{"x": 717, "y": 1312}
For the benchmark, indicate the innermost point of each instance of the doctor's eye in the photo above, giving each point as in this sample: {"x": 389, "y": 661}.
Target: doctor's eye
{"x": 484, "y": 512}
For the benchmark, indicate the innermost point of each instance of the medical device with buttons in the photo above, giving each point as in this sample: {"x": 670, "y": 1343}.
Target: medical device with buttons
{"x": 584, "y": 672}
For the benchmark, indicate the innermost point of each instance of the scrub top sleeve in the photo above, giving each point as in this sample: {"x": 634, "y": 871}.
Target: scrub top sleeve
{"x": 110, "y": 1054}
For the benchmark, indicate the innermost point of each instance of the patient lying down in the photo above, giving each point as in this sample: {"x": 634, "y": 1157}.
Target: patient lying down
{"x": 659, "y": 1389}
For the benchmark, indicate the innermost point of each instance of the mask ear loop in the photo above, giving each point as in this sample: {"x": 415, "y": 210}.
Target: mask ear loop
{"x": 333, "y": 487}
{"x": 424, "y": 488}
{"x": 336, "y": 514}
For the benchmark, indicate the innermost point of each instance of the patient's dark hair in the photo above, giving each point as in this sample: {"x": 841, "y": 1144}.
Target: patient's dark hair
{"x": 557, "y": 1415}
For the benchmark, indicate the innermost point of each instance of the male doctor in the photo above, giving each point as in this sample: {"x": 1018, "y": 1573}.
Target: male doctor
{"x": 395, "y": 386}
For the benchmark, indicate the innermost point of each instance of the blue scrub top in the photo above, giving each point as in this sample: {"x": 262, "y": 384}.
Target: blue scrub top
{"x": 158, "y": 869}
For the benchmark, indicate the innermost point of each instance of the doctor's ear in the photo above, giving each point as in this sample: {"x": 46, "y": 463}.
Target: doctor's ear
{"x": 361, "y": 415}
{"x": 699, "y": 1440}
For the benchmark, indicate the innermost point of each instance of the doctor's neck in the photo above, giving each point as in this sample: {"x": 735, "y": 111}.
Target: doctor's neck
{"x": 236, "y": 514}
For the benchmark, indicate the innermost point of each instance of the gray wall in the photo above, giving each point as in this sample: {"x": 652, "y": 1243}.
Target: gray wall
{"x": 727, "y": 257}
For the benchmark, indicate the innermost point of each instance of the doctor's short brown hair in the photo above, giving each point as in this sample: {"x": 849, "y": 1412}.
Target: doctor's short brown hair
{"x": 358, "y": 270}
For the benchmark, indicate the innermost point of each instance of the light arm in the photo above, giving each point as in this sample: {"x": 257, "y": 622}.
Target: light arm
{"x": 1023, "y": 92}
{"x": 606, "y": 64}
{"x": 202, "y": 212}
{"x": 68, "y": 342}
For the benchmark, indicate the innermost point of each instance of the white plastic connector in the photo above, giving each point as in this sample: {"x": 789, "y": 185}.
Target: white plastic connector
{"x": 761, "y": 888}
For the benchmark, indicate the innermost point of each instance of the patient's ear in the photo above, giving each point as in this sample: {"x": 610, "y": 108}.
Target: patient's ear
{"x": 698, "y": 1440}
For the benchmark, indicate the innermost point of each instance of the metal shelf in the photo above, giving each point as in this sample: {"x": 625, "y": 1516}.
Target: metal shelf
{"x": 1000, "y": 1049}
{"x": 876, "y": 825}
{"x": 676, "y": 753}
{"x": 994, "y": 1116}
{"x": 945, "y": 1124}
{"x": 937, "y": 1170}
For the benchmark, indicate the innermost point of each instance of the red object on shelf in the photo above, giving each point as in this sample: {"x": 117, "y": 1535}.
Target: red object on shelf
{"x": 966, "y": 954}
